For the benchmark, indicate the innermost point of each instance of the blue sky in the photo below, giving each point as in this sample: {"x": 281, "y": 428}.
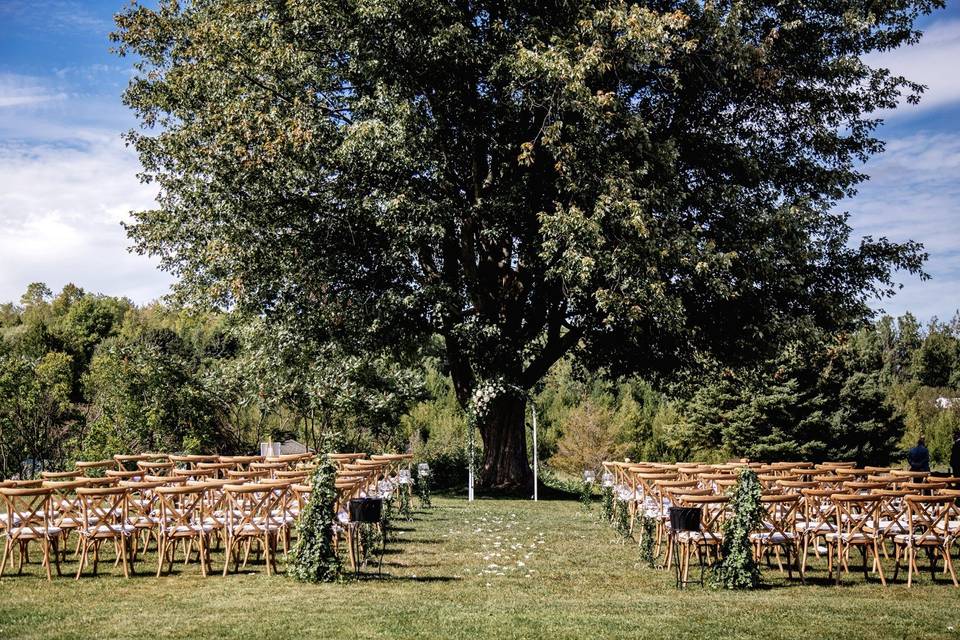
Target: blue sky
{"x": 67, "y": 181}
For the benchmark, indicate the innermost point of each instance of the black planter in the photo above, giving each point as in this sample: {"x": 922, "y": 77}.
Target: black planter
{"x": 366, "y": 509}
{"x": 685, "y": 518}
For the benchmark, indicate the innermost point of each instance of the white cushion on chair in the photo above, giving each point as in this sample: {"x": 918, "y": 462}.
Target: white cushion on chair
{"x": 188, "y": 528}
{"x": 100, "y": 530}
{"x": 26, "y": 533}
{"x": 815, "y": 526}
{"x": 772, "y": 537}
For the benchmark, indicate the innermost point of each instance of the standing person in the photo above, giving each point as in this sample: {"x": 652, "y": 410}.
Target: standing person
{"x": 919, "y": 457}
{"x": 955, "y": 455}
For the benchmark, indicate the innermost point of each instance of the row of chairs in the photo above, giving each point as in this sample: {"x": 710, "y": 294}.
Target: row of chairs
{"x": 828, "y": 508}
{"x": 242, "y": 504}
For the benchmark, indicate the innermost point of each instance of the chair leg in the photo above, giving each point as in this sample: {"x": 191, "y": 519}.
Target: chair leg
{"x": 266, "y": 551}
{"x": 56, "y": 555}
{"x": 203, "y": 562}
{"x": 948, "y": 562}
{"x": 911, "y": 557}
{"x": 876, "y": 557}
{"x": 161, "y": 547}
{"x": 228, "y": 554}
{"x": 123, "y": 556}
{"x": 46, "y": 558}
{"x": 83, "y": 557}
{"x": 6, "y": 551}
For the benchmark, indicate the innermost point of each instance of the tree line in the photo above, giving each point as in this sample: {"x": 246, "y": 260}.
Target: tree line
{"x": 85, "y": 376}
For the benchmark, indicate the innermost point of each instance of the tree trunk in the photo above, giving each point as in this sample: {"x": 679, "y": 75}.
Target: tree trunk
{"x": 503, "y": 429}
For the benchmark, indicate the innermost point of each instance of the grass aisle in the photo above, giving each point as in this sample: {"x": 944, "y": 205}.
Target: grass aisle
{"x": 497, "y": 569}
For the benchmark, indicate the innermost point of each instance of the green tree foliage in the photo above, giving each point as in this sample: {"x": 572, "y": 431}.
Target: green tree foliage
{"x": 145, "y": 397}
{"x": 637, "y": 185}
{"x": 35, "y": 411}
{"x": 183, "y": 380}
{"x": 813, "y": 402}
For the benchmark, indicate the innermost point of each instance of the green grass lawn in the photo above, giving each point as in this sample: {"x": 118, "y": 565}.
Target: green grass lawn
{"x": 510, "y": 569}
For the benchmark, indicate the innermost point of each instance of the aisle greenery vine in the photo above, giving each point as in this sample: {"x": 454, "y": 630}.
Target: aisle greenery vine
{"x": 738, "y": 569}
{"x": 648, "y": 531}
{"x": 606, "y": 504}
{"x": 314, "y": 557}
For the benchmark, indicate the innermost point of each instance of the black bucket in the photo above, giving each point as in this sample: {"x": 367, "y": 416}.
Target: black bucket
{"x": 685, "y": 518}
{"x": 366, "y": 509}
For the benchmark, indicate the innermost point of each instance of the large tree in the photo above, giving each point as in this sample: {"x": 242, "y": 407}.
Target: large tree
{"x": 642, "y": 184}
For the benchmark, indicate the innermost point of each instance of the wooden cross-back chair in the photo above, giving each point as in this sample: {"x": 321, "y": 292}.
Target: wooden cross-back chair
{"x": 155, "y": 468}
{"x": 28, "y": 518}
{"x": 857, "y": 527}
{"x": 190, "y": 461}
{"x": 193, "y": 473}
{"x": 94, "y": 467}
{"x": 183, "y": 511}
{"x": 928, "y": 527}
{"x": 250, "y": 517}
{"x": 128, "y": 461}
{"x": 710, "y": 536}
{"x": 61, "y": 475}
{"x": 819, "y": 519}
{"x": 104, "y": 518}
{"x": 239, "y": 462}
{"x": 143, "y": 512}
{"x": 66, "y": 507}
{"x": 795, "y": 486}
{"x": 778, "y": 530}
{"x": 136, "y": 474}
{"x": 220, "y": 468}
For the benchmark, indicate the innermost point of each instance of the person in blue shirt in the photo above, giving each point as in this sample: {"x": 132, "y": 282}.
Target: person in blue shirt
{"x": 919, "y": 457}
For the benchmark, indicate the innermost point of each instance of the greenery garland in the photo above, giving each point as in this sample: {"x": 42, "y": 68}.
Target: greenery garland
{"x": 423, "y": 489}
{"x": 738, "y": 569}
{"x": 648, "y": 530}
{"x": 586, "y": 495}
{"x": 404, "y": 508}
{"x": 621, "y": 520}
{"x": 314, "y": 557}
{"x": 606, "y": 504}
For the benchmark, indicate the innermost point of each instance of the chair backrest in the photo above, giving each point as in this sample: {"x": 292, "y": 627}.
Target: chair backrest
{"x": 794, "y": 486}
{"x": 818, "y": 505}
{"x": 780, "y": 513}
{"x": 64, "y": 501}
{"x": 858, "y": 515}
{"x": 124, "y": 461}
{"x": 713, "y": 511}
{"x": 103, "y": 505}
{"x": 863, "y": 487}
{"x": 94, "y": 466}
{"x": 239, "y": 462}
{"x": 123, "y": 475}
{"x": 28, "y": 512}
{"x": 61, "y": 475}
{"x": 155, "y": 468}
{"x": 194, "y": 473}
{"x": 252, "y": 509}
{"x": 930, "y": 517}
{"x": 181, "y": 506}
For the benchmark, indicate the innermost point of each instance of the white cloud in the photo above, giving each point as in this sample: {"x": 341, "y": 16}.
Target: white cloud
{"x": 931, "y": 62}
{"x": 914, "y": 194}
{"x": 60, "y": 210}
{"x": 18, "y": 91}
